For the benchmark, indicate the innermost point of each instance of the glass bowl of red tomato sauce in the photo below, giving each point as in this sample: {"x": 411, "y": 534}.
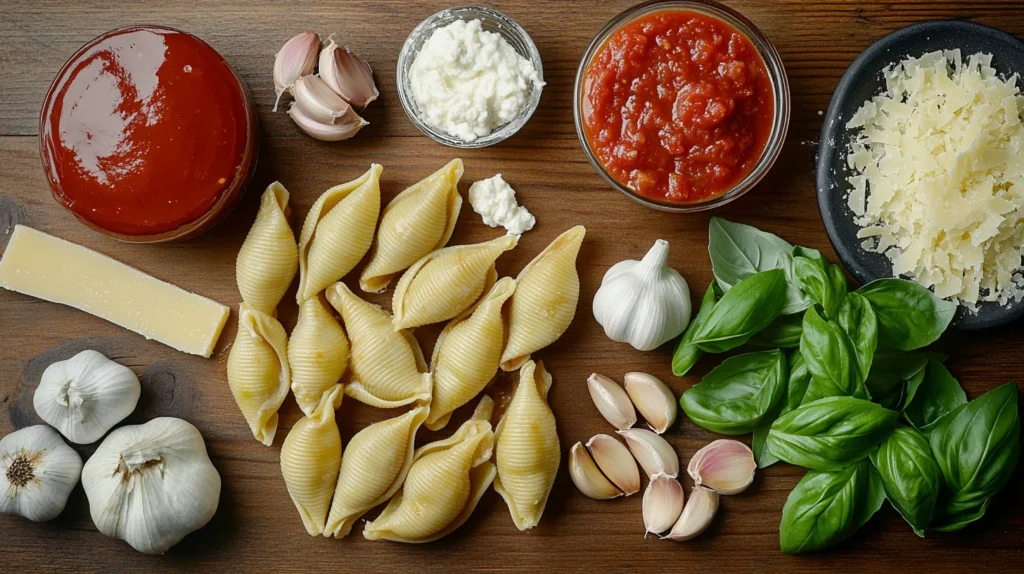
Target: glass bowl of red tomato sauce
{"x": 682, "y": 105}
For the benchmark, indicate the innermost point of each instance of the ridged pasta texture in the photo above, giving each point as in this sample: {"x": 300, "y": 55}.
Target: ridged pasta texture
{"x": 373, "y": 468}
{"x": 387, "y": 369}
{"x": 443, "y": 487}
{"x": 526, "y": 448}
{"x": 268, "y": 259}
{"x": 446, "y": 282}
{"x": 467, "y": 353}
{"x": 258, "y": 371}
{"x": 337, "y": 232}
{"x": 419, "y": 220}
{"x": 310, "y": 459}
{"x": 317, "y": 353}
{"x": 544, "y": 304}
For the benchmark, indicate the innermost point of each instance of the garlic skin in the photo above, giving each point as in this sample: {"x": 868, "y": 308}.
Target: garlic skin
{"x": 296, "y": 58}
{"x": 653, "y": 399}
{"x": 152, "y": 484}
{"x": 697, "y": 515}
{"x": 587, "y": 477}
{"x": 319, "y": 102}
{"x": 615, "y": 463}
{"x": 644, "y": 303}
{"x": 347, "y": 74}
{"x": 613, "y": 402}
{"x": 663, "y": 502}
{"x": 725, "y": 466}
{"x": 342, "y": 129}
{"x": 86, "y": 395}
{"x": 37, "y": 473}
{"x": 653, "y": 452}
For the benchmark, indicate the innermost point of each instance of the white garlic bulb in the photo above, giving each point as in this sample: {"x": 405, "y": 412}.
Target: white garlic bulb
{"x": 644, "y": 303}
{"x": 86, "y": 395}
{"x": 151, "y": 485}
{"x": 37, "y": 473}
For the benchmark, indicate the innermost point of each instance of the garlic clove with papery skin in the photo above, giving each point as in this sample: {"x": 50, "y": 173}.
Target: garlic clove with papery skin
{"x": 653, "y": 452}
{"x": 38, "y": 471}
{"x": 347, "y": 74}
{"x": 342, "y": 129}
{"x": 612, "y": 401}
{"x": 152, "y": 484}
{"x": 725, "y": 466}
{"x": 644, "y": 303}
{"x": 663, "y": 502}
{"x": 587, "y": 477}
{"x": 86, "y": 395}
{"x": 296, "y": 58}
{"x": 615, "y": 462}
{"x": 318, "y": 101}
{"x": 653, "y": 399}
{"x": 697, "y": 515}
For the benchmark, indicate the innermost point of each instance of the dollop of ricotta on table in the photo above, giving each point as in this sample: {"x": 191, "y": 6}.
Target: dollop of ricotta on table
{"x": 495, "y": 201}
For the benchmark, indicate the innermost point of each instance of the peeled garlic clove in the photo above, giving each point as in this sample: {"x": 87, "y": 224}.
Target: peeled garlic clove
{"x": 615, "y": 462}
{"x": 613, "y": 402}
{"x": 725, "y": 466}
{"x": 653, "y": 399}
{"x": 653, "y": 452}
{"x": 347, "y": 74}
{"x": 37, "y": 473}
{"x": 296, "y": 59}
{"x": 697, "y": 515}
{"x": 663, "y": 502}
{"x": 587, "y": 477}
{"x": 338, "y": 131}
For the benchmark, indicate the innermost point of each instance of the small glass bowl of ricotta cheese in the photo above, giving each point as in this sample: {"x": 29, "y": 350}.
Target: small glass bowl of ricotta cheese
{"x": 473, "y": 85}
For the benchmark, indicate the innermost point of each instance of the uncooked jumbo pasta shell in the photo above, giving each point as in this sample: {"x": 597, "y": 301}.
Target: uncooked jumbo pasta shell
{"x": 337, "y": 232}
{"x": 258, "y": 373}
{"x": 310, "y": 459}
{"x": 268, "y": 259}
{"x": 544, "y": 304}
{"x": 444, "y": 485}
{"x": 373, "y": 468}
{"x": 467, "y": 352}
{"x": 447, "y": 282}
{"x": 317, "y": 353}
{"x": 419, "y": 220}
{"x": 387, "y": 368}
{"x": 526, "y": 448}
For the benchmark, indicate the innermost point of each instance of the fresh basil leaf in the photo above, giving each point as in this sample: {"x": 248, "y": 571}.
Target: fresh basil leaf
{"x": 939, "y": 394}
{"x": 977, "y": 447}
{"x": 809, "y": 253}
{"x": 830, "y": 433}
{"x": 759, "y": 442}
{"x": 796, "y": 386}
{"x": 796, "y": 300}
{"x": 858, "y": 320}
{"x": 910, "y": 476}
{"x": 823, "y": 282}
{"x": 743, "y": 311}
{"x": 957, "y": 520}
{"x": 799, "y": 380}
{"x": 734, "y": 396}
{"x": 687, "y": 353}
{"x": 738, "y": 251}
{"x": 826, "y": 508}
{"x": 827, "y": 351}
{"x": 895, "y": 377}
{"x": 783, "y": 332}
{"x": 909, "y": 316}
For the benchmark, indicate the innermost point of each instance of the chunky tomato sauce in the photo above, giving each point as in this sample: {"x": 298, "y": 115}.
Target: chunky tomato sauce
{"x": 678, "y": 106}
{"x": 144, "y": 130}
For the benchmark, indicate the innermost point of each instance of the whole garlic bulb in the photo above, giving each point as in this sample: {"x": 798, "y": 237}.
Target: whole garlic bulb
{"x": 152, "y": 484}
{"x": 86, "y": 395}
{"x": 37, "y": 473}
{"x": 644, "y": 303}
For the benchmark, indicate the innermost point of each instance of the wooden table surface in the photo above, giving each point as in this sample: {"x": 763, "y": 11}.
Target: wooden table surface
{"x": 256, "y": 527}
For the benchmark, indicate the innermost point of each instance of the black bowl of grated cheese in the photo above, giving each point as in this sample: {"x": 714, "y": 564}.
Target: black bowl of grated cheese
{"x": 920, "y": 167}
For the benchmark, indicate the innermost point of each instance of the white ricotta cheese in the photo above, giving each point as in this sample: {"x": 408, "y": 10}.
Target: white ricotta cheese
{"x": 495, "y": 201}
{"x": 468, "y": 82}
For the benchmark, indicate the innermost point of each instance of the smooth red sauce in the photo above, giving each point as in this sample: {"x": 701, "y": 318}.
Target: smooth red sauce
{"x": 144, "y": 131}
{"x": 678, "y": 106}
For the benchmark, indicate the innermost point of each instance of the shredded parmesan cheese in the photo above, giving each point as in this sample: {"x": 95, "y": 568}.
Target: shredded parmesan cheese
{"x": 938, "y": 176}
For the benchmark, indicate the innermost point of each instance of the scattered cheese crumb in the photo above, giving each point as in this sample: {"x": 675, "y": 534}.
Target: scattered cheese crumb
{"x": 495, "y": 201}
{"x": 938, "y": 182}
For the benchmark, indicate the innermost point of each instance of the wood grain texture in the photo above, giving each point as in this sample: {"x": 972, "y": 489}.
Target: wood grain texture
{"x": 256, "y": 527}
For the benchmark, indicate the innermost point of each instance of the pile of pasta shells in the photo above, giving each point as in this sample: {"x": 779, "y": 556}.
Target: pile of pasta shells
{"x": 371, "y": 356}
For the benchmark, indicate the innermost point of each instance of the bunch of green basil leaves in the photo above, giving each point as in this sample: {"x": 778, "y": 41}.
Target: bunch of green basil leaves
{"x": 838, "y": 382}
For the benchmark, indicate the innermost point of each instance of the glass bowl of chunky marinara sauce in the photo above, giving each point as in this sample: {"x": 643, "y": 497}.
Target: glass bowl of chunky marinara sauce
{"x": 681, "y": 105}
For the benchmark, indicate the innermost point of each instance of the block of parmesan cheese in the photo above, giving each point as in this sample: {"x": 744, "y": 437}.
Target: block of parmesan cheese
{"x": 56, "y": 270}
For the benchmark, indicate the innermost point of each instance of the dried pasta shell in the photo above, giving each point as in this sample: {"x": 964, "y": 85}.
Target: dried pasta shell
{"x": 337, "y": 232}
{"x": 544, "y": 304}
{"x": 418, "y": 221}
{"x": 526, "y": 448}
{"x": 317, "y": 353}
{"x": 258, "y": 371}
{"x": 268, "y": 258}
{"x": 467, "y": 353}
{"x": 387, "y": 366}
{"x": 373, "y": 469}
{"x": 446, "y": 282}
{"x": 444, "y": 485}
{"x": 310, "y": 459}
